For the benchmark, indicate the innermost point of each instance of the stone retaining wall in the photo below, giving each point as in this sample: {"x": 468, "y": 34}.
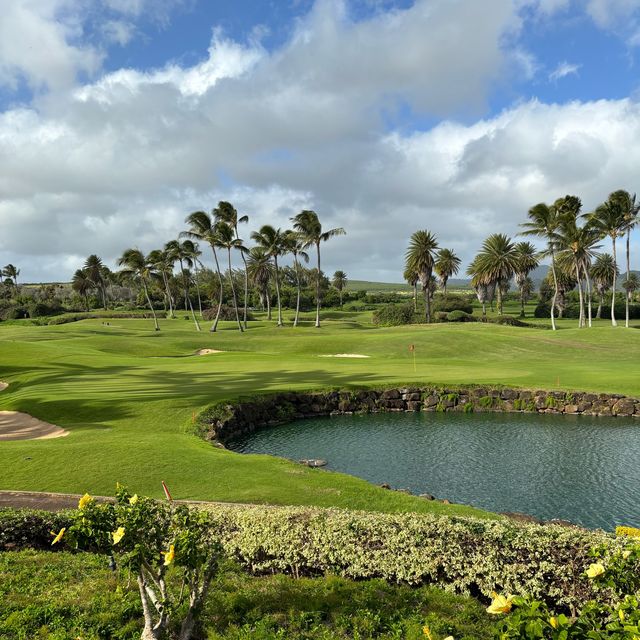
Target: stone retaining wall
{"x": 226, "y": 420}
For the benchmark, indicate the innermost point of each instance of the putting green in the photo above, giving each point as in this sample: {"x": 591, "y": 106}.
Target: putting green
{"x": 128, "y": 395}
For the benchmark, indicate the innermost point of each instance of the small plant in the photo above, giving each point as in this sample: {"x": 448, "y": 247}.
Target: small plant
{"x": 486, "y": 402}
{"x": 151, "y": 539}
{"x": 569, "y": 398}
{"x": 467, "y": 407}
{"x": 550, "y": 402}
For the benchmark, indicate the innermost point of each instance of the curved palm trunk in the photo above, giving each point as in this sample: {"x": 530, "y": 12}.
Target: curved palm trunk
{"x": 581, "y": 321}
{"x": 318, "y": 288}
{"x": 214, "y": 326}
{"x": 275, "y": 261}
{"x": 587, "y": 280}
{"x": 613, "y": 293}
{"x": 233, "y": 292}
{"x": 168, "y": 293}
{"x": 195, "y": 266}
{"x": 628, "y": 296}
{"x": 246, "y": 291}
{"x": 555, "y": 289}
{"x": 153, "y": 313}
{"x": 187, "y": 298}
{"x": 297, "y": 269}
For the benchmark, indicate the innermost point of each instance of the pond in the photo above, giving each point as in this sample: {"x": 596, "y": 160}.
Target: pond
{"x": 578, "y": 468}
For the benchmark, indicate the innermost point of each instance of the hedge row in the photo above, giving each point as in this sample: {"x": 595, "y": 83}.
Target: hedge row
{"x": 463, "y": 555}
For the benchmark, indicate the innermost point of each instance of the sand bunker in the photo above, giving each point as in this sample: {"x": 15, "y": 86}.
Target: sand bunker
{"x": 206, "y": 352}
{"x": 21, "y": 426}
{"x": 345, "y": 355}
{"x": 3, "y": 385}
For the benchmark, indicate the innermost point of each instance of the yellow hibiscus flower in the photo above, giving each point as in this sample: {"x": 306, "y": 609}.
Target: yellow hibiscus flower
{"x": 58, "y": 536}
{"x": 500, "y": 604}
{"x": 84, "y": 501}
{"x": 169, "y": 556}
{"x": 553, "y": 621}
{"x": 133, "y": 499}
{"x": 117, "y": 535}
{"x": 596, "y": 569}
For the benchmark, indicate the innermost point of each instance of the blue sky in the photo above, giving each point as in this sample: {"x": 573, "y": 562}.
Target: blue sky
{"x": 118, "y": 117}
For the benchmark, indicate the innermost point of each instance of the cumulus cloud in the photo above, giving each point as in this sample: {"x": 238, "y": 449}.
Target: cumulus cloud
{"x": 121, "y": 161}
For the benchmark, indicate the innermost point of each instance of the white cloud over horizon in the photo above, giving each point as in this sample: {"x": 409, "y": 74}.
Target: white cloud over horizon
{"x": 121, "y": 160}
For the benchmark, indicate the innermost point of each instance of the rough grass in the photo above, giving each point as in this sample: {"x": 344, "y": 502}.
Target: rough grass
{"x": 128, "y": 394}
{"x": 63, "y": 595}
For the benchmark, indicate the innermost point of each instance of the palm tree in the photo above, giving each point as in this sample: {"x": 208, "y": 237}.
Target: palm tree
{"x": 603, "y": 272}
{"x": 182, "y": 252}
{"x": 203, "y": 228}
{"x": 446, "y": 265}
{"x": 227, "y": 240}
{"x": 485, "y": 290}
{"x": 609, "y": 220}
{"x": 307, "y": 224}
{"x": 293, "y": 244}
{"x": 631, "y": 285}
{"x": 412, "y": 278}
{"x": 543, "y": 222}
{"x": 339, "y": 281}
{"x": 420, "y": 258}
{"x": 162, "y": 262}
{"x": 93, "y": 267}
{"x": 82, "y": 284}
{"x": 526, "y": 262}
{"x": 576, "y": 243}
{"x": 496, "y": 263}
{"x": 195, "y": 253}
{"x": 630, "y": 211}
{"x": 273, "y": 242}
{"x": 137, "y": 267}
{"x": 10, "y": 271}
{"x": 260, "y": 272}
{"x": 226, "y": 212}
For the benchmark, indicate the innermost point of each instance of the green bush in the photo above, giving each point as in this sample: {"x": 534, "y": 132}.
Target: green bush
{"x": 391, "y": 315}
{"x": 460, "y": 316}
{"x": 226, "y": 313}
{"x": 452, "y": 303}
{"x": 462, "y": 555}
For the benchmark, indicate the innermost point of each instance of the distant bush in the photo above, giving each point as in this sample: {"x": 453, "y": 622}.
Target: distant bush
{"x": 14, "y": 312}
{"x": 452, "y": 303}
{"x": 460, "y": 316}
{"x": 542, "y": 310}
{"x": 391, "y": 315}
{"x": 509, "y": 321}
{"x": 41, "y": 309}
{"x": 440, "y": 316}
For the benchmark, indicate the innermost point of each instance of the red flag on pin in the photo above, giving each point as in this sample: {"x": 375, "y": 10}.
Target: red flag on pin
{"x": 166, "y": 491}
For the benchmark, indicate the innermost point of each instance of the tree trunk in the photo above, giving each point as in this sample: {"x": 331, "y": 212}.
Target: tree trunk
{"x": 415, "y": 297}
{"x": 153, "y": 313}
{"x": 628, "y": 293}
{"x": 427, "y": 306}
{"x": 275, "y": 260}
{"x": 214, "y": 326}
{"x": 581, "y": 321}
{"x": 599, "y": 311}
{"x": 246, "y": 291}
{"x": 499, "y": 299}
{"x": 484, "y": 309}
{"x": 233, "y": 292}
{"x": 268, "y": 304}
{"x": 195, "y": 266}
{"x": 587, "y": 280}
{"x": 149, "y": 632}
{"x": 522, "y": 302}
{"x": 613, "y": 293}
{"x": 555, "y": 289}
{"x": 168, "y": 292}
{"x": 318, "y": 287}
{"x": 297, "y": 268}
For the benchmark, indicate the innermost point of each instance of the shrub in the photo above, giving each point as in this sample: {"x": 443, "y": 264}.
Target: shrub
{"x": 460, "y": 316}
{"x": 391, "y": 315}
{"x": 509, "y": 321}
{"x": 463, "y": 555}
{"x": 452, "y": 303}
{"x": 542, "y": 310}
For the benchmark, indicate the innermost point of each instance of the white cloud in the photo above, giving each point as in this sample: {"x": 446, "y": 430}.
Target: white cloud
{"x": 121, "y": 161}
{"x": 610, "y": 14}
{"x": 36, "y": 44}
{"x": 118, "y": 31}
{"x": 563, "y": 70}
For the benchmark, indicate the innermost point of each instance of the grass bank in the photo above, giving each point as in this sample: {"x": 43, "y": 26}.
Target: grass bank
{"x": 128, "y": 395}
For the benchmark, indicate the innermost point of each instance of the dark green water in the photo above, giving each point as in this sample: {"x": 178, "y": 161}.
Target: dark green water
{"x": 577, "y": 468}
